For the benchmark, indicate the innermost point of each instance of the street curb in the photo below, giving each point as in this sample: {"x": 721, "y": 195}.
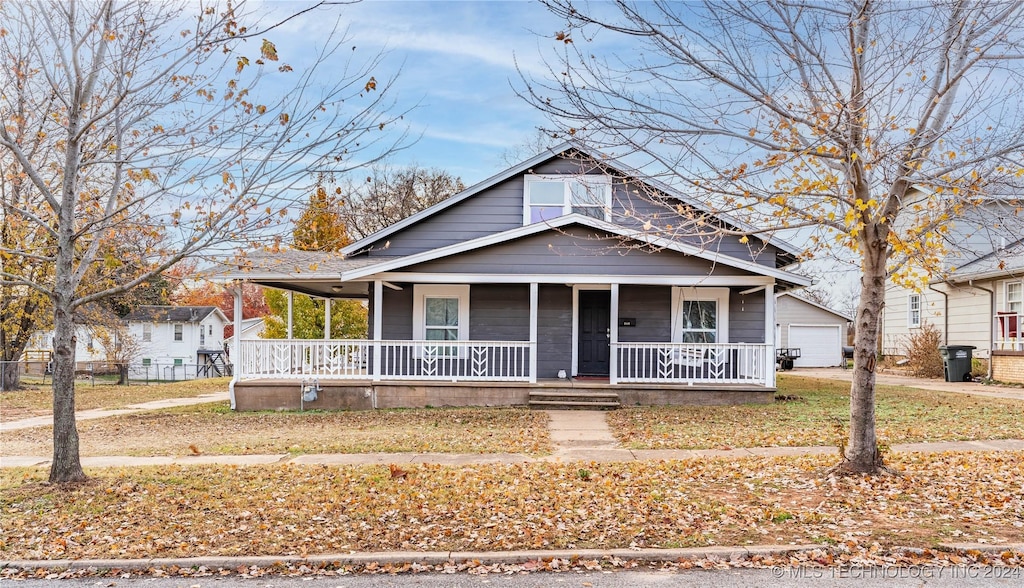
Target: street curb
{"x": 421, "y": 557}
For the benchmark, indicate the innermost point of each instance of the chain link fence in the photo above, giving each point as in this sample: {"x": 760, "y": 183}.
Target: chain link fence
{"x": 105, "y": 373}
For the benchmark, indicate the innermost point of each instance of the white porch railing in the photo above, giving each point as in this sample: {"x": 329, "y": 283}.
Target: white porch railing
{"x": 695, "y": 363}
{"x": 1008, "y": 335}
{"x": 490, "y": 361}
{"x": 303, "y": 358}
{"x": 497, "y": 361}
{"x": 487, "y": 361}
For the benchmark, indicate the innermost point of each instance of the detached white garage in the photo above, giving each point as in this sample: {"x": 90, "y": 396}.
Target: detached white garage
{"x": 819, "y": 332}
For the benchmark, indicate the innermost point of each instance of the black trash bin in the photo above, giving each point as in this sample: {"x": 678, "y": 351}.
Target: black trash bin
{"x": 956, "y": 362}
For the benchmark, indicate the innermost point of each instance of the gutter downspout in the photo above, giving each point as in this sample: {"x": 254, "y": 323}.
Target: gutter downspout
{"x": 237, "y": 361}
{"x": 945, "y": 314}
{"x": 991, "y": 326}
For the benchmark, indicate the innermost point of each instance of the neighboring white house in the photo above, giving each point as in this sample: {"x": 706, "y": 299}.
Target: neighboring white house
{"x": 819, "y": 332}
{"x": 978, "y": 302}
{"x": 252, "y": 329}
{"x": 88, "y": 346}
{"x": 178, "y": 335}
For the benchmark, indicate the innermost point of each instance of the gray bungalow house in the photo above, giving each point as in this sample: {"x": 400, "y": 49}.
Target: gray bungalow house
{"x": 557, "y": 280}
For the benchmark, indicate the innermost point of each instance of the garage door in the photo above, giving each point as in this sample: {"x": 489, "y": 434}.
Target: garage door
{"x": 819, "y": 345}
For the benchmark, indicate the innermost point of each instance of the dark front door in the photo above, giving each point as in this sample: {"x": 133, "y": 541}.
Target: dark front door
{"x": 595, "y": 332}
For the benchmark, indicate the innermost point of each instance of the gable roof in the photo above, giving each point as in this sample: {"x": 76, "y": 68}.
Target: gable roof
{"x": 394, "y": 263}
{"x": 543, "y": 157}
{"x": 814, "y": 304}
{"x": 1008, "y": 262}
{"x": 173, "y": 314}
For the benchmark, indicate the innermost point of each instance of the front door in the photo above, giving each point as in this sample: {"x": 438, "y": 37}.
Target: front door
{"x": 595, "y": 332}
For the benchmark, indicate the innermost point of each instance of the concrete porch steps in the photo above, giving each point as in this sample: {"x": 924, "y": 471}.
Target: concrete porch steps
{"x": 572, "y": 400}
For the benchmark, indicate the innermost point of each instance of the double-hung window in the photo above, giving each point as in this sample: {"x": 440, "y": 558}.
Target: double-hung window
{"x": 147, "y": 332}
{"x": 549, "y": 197}
{"x": 1015, "y": 297}
{"x": 179, "y": 331}
{"x": 914, "y": 311}
{"x": 441, "y": 313}
{"x": 700, "y": 315}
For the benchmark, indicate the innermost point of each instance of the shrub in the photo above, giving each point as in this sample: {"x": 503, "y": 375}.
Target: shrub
{"x": 923, "y": 358}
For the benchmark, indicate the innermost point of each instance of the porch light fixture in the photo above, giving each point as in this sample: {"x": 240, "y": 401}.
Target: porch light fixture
{"x": 337, "y": 288}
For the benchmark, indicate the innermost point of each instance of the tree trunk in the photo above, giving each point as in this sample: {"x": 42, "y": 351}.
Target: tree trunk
{"x": 66, "y": 465}
{"x": 862, "y": 450}
{"x": 10, "y": 375}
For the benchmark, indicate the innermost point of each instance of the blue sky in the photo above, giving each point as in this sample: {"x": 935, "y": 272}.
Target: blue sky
{"x": 458, "y": 68}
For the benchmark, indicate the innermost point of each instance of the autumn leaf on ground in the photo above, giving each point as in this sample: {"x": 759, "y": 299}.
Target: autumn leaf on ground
{"x": 397, "y": 472}
{"x": 195, "y": 450}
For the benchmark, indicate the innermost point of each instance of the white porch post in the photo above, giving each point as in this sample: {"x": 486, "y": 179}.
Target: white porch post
{"x": 327, "y": 318}
{"x": 237, "y": 336}
{"x": 533, "y": 332}
{"x": 769, "y": 335}
{"x": 378, "y": 315}
{"x": 613, "y": 344}
{"x": 291, "y": 297}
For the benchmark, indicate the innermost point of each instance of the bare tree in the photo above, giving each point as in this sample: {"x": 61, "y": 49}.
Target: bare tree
{"x": 873, "y": 124}
{"x": 173, "y": 123}
{"x": 389, "y": 194}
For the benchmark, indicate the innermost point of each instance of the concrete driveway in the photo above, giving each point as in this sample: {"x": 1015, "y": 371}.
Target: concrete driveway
{"x": 973, "y": 388}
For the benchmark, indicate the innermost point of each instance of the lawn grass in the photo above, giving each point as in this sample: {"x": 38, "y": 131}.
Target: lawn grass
{"x": 186, "y": 511}
{"x": 819, "y": 417}
{"x": 33, "y": 400}
{"x": 216, "y": 430}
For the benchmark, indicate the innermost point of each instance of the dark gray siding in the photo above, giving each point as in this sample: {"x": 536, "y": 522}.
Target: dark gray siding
{"x": 746, "y": 317}
{"x": 633, "y": 205}
{"x": 575, "y": 251}
{"x": 497, "y": 209}
{"x": 500, "y": 208}
{"x": 396, "y": 320}
{"x": 499, "y": 312}
{"x": 651, "y": 306}
{"x": 554, "y": 330}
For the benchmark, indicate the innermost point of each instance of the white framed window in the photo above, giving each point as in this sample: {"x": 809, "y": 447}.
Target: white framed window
{"x": 179, "y": 332}
{"x": 551, "y": 196}
{"x": 179, "y": 362}
{"x": 700, "y": 315}
{"x": 147, "y": 361}
{"x": 147, "y": 332}
{"x": 440, "y": 313}
{"x": 1015, "y": 297}
{"x": 913, "y": 311}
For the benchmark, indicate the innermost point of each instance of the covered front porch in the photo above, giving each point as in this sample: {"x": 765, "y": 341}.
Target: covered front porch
{"x": 630, "y": 338}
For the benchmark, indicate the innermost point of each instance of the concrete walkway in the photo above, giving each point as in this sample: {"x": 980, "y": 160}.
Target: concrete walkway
{"x": 99, "y": 413}
{"x": 972, "y": 388}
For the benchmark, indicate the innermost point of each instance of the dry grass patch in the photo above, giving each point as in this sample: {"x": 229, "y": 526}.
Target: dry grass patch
{"x": 215, "y": 429}
{"x": 904, "y": 415}
{"x": 306, "y": 510}
{"x": 34, "y": 400}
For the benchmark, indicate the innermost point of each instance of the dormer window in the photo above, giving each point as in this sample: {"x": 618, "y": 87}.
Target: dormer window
{"x": 549, "y": 197}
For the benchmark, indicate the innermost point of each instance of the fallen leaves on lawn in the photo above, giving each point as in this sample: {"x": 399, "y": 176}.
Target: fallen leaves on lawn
{"x": 904, "y": 415}
{"x": 294, "y": 510}
{"x": 221, "y": 432}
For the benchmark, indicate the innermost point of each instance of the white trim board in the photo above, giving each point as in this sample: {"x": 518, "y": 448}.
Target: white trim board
{"x": 571, "y": 219}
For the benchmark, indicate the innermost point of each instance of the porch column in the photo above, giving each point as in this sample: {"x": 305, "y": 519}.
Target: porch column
{"x": 236, "y": 360}
{"x": 378, "y": 314}
{"x": 613, "y": 343}
{"x": 291, "y": 296}
{"x": 327, "y": 318}
{"x": 533, "y": 332}
{"x": 769, "y": 335}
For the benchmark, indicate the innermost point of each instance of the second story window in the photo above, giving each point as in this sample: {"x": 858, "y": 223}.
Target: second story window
{"x": 179, "y": 330}
{"x": 147, "y": 332}
{"x": 549, "y": 197}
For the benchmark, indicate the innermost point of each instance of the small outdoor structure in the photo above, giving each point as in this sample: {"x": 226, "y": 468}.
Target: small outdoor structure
{"x": 551, "y": 267}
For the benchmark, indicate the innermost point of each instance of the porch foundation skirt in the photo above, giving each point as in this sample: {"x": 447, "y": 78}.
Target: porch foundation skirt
{"x": 252, "y": 395}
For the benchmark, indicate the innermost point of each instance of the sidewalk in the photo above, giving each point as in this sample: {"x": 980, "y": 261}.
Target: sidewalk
{"x": 972, "y": 388}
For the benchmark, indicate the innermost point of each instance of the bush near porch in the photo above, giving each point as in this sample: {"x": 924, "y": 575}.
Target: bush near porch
{"x": 817, "y": 415}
